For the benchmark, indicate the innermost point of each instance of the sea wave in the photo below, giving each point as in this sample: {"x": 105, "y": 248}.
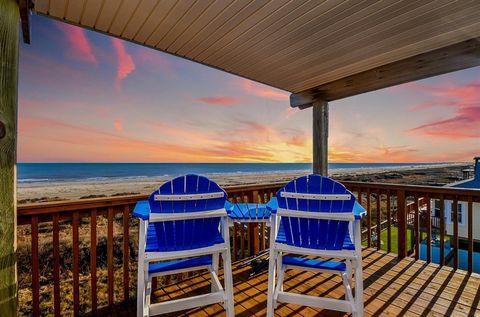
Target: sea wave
{"x": 33, "y": 180}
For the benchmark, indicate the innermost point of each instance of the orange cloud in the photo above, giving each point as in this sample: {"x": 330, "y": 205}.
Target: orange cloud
{"x": 264, "y": 91}
{"x": 125, "y": 62}
{"x": 80, "y": 47}
{"x": 119, "y": 124}
{"x": 250, "y": 143}
{"x": 220, "y": 100}
{"x": 375, "y": 154}
{"x": 297, "y": 140}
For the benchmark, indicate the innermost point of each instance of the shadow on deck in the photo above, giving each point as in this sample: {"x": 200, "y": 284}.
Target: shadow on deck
{"x": 392, "y": 288}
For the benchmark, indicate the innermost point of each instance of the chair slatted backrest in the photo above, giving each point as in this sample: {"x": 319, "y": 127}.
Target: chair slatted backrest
{"x": 315, "y": 233}
{"x": 179, "y": 235}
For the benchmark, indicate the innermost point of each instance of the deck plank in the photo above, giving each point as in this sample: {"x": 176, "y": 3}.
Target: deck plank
{"x": 391, "y": 288}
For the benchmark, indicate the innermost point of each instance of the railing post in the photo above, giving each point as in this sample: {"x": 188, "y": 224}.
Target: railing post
{"x": 93, "y": 258}
{"x": 442, "y": 230}
{"x": 110, "y": 268}
{"x": 470, "y": 234}
{"x": 9, "y": 29}
{"x": 379, "y": 220}
{"x": 402, "y": 224}
{"x": 254, "y": 247}
{"x": 369, "y": 219}
{"x": 35, "y": 268}
{"x": 429, "y": 227}
{"x": 454, "y": 239}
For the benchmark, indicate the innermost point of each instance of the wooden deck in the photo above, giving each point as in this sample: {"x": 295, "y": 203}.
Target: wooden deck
{"x": 392, "y": 288}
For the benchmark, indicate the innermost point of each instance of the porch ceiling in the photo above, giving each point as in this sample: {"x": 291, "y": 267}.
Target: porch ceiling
{"x": 296, "y": 45}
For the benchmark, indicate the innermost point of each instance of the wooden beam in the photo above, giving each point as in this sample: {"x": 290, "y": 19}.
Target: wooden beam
{"x": 9, "y": 22}
{"x": 24, "y": 6}
{"x": 320, "y": 137}
{"x": 301, "y": 100}
{"x": 444, "y": 60}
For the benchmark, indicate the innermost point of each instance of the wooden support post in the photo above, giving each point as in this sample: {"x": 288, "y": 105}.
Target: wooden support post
{"x": 402, "y": 225}
{"x": 9, "y": 37}
{"x": 320, "y": 137}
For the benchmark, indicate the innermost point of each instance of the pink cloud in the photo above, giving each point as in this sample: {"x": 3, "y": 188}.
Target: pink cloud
{"x": 103, "y": 111}
{"x": 43, "y": 71}
{"x": 448, "y": 95}
{"x": 465, "y": 122}
{"x": 220, "y": 100}
{"x": 155, "y": 61}
{"x": 289, "y": 112}
{"x": 264, "y": 91}
{"x": 80, "y": 47}
{"x": 252, "y": 130}
{"x": 125, "y": 62}
{"x": 298, "y": 140}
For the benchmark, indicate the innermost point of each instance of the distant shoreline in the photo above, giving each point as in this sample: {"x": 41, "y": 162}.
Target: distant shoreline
{"x": 74, "y": 172}
{"x": 67, "y": 190}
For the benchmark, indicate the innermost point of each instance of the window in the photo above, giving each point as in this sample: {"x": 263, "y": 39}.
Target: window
{"x": 436, "y": 208}
{"x": 460, "y": 211}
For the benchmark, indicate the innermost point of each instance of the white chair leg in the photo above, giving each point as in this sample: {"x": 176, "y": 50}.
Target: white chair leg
{"x": 148, "y": 294}
{"x": 271, "y": 282}
{"x": 349, "y": 272}
{"x": 348, "y": 291}
{"x": 358, "y": 288}
{"x": 279, "y": 287}
{"x": 141, "y": 287}
{"x": 215, "y": 264}
{"x": 358, "y": 270}
{"x": 227, "y": 271}
{"x": 279, "y": 267}
{"x": 280, "y": 274}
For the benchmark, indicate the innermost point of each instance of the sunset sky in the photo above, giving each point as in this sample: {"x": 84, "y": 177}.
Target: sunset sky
{"x": 87, "y": 97}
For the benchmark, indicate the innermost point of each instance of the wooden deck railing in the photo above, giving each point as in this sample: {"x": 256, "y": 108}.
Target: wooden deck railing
{"x": 81, "y": 255}
{"x": 407, "y": 202}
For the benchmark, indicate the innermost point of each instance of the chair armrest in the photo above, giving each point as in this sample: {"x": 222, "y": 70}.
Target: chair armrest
{"x": 358, "y": 211}
{"x": 229, "y": 207}
{"x": 142, "y": 210}
{"x": 272, "y": 205}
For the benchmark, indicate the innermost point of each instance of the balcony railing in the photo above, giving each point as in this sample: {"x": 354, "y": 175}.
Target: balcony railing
{"x": 78, "y": 256}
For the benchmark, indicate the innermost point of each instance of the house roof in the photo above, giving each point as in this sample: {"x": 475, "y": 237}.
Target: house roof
{"x": 472, "y": 182}
{"x": 301, "y": 46}
{"x": 467, "y": 183}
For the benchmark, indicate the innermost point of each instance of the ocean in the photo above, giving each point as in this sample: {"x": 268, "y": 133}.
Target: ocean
{"x": 71, "y": 172}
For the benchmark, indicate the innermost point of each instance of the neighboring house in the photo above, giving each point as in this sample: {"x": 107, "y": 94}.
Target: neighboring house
{"x": 472, "y": 183}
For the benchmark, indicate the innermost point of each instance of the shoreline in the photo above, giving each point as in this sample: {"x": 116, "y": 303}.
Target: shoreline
{"x": 29, "y": 192}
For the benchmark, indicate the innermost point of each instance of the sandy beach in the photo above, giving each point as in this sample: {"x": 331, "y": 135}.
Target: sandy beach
{"x": 50, "y": 191}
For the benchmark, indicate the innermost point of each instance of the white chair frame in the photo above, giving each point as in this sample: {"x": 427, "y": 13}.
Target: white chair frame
{"x": 353, "y": 260}
{"x": 218, "y": 294}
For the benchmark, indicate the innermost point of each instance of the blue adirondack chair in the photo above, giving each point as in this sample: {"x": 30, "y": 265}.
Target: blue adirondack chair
{"x": 183, "y": 228}
{"x": 315, "y": 216}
